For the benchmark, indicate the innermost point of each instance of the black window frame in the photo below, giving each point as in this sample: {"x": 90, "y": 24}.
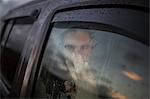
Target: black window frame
{"x": 5, "y": 32}
{"x": 8, "y": 25}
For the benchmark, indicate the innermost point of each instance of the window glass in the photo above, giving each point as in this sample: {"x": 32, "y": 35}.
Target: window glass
{"x": 13, "y": 47}
{"x": 85, "y": 63}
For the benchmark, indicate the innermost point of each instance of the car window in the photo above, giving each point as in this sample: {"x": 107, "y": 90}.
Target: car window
{"x": 12, "y": 46}
{"x": 88, "y": 63}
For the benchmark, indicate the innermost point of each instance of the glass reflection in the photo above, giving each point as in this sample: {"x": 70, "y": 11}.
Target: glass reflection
{"x": 132, "y": 75}
{"x": 74, "y": 68}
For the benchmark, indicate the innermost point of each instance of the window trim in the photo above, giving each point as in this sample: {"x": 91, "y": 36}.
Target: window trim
{"x": 6, "y": 32}
{"x": 20, "y": 71}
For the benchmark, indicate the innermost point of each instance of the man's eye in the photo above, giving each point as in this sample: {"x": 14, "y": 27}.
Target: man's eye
{"x": 69, "y": 47}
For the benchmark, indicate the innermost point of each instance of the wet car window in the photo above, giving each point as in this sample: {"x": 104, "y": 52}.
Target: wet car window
{"x": 84, "y": 63}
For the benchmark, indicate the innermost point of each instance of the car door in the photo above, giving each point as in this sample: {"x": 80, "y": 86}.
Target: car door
{"x": 93, "y": 51}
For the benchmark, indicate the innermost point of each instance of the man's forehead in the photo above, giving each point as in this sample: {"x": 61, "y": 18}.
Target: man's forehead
{"x": 82, "y": 36}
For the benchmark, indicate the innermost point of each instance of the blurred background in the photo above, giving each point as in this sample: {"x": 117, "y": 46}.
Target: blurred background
{"x": 6, "y": 5}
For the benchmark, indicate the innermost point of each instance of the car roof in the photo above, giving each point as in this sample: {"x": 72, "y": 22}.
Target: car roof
{"x": 143, "y": 4}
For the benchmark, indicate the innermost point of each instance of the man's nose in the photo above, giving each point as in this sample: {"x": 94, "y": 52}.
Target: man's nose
{"x": 77, "y": 50}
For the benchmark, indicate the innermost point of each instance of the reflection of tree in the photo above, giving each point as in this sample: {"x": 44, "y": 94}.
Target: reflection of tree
{"x": 133, "y": 59}
{"x": 103, "y": 92}
{"x": 54, "y": 85}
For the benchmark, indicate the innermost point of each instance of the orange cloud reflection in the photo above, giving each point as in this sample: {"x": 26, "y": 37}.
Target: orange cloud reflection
{"x": 132, "y": 75}
{"x": 117, "y": 95}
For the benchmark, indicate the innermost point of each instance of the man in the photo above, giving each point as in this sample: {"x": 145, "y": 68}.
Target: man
{"x": 78, "y": 42}
{"x": 77, "y": 48}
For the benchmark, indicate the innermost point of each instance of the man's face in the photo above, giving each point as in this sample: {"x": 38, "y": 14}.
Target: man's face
{"x": 79, "y": 44}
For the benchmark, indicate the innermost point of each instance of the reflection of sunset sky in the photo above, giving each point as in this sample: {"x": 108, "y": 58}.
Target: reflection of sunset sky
{"x": 117, "y": 95}
{"x": 111, "y": 61}
{"x": 132, "y": 75}
{"x": 115, "y": 48}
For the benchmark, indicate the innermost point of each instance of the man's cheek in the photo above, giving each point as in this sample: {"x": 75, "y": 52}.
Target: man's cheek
{"x": 87, "y": 52}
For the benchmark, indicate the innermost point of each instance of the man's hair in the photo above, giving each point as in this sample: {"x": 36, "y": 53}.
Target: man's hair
{"x": 73, "y": 31}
